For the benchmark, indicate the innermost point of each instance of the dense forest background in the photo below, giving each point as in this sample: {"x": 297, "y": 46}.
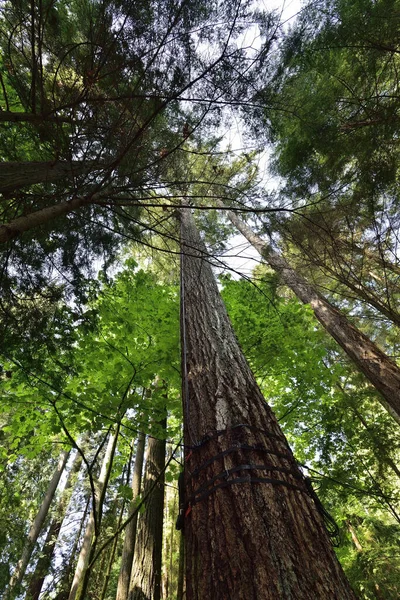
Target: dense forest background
{"x": 116, "y": 116}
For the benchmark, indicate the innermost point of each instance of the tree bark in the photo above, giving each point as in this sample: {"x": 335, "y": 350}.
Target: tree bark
{"x": 252, "y": 527}
{"x": 354, "y": 537}
{"x": 130, "y": 531}
{"x": 13, "y": 229}
{"x": 111, "y": 556}
{"x": 77, "y": 591}
{"x": 378, "y": 368}
{"x": 146, "y": 569}
{"x": 44, "y": 562}
{"x": 15, "y": 175}
{"x": 170, "y": 548}
{"x": 35, "y": 530}
{"x": 65, "y": 583}
{"x": 181, "y": 569}
{"x": 350, "y": 280}
{"x": 7, "y": 116}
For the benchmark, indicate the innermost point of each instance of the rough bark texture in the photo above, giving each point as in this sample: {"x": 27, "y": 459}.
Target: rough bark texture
{"x": 379, "y": 369}
{"x": 130, "y": 531}
{"x": 14, "y": 175}
{"x": 245, "y": 539}
{"x": 79, "y": 583}
{"x": 35, "y": 530}
{"x": 146, "y": 570}
{"x": 13, "y": 229}
{"x": 44, "y": 562}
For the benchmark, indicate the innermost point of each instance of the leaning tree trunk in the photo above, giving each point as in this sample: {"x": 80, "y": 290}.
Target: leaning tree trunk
{"x": 15, "y": 175}
{"x": 44, "y": 562}
{"x": 7, "y": 116}
{"x": 79, "y": 584}
{"x": 35, "y": 530}
{"x": 146, "y": 569}
{"x": 354, "y": 284}
{"x": 378, "y": 368}
{"x": 252, "y": 527}
{"x": 130, "y": 531}
{"x": 15, "y": 228}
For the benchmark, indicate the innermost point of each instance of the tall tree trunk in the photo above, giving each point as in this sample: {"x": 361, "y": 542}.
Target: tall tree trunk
{"x": 354, "y": 537}
{"x": 15, "y": 175}
{"x": 170, "y": 548}
{"x": 44, "y": 562}
{"x": 111, "y": 556}
{"x": 35, "y": 530}
{"x": 181, "y": 568}
{"x": 252, "y": 527}
{"x": 13, "y": 229}
{"x": 36, "y": 118}
{"x": 130, "y": 531}
{"x": 65, "y": 583}
{"x": 378, "y": 368}
{"x": 376, "y": 591}
{"x": 79, "y": 584}
{"x": 343, "y": 273}
{"x": 146, "y": 569}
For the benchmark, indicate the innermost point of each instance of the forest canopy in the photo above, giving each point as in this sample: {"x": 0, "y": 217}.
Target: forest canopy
{"x": 155, "y": 157}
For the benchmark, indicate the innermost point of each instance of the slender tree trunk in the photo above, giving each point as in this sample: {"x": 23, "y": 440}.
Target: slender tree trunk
{"x": 378, "y": 368}
{"x": 44, "y": 562}
{"x": 169, "y": 572}
{"x": 79, "y": 584}
{"x": 35, "y": 530}
{"x": 146, "y": 569}
{"x": 36, "y": 118}
{"x": 15, "y": 175}
{"x": 354, "y": 537}
{"x": 13, "y": 229}
{"x": 66, "y": 579}
{"x": 376, "y": 591}
{"x": 252, "y": 527}
{"x": 130, "y": 531}
{"x": 353, "y": 283}
{"x": 111, "y": 557}
{"x": 181, "y": 568}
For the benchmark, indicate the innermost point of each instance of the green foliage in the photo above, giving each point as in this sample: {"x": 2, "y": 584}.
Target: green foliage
{"x": 24, "y": 479}
{"x": 331, "y": 115}
{"x": 339, "y": 89}
{"x": 101, "y": 84}
{"x": 272, "y": 332}
{"x": 122, "y": 342}
{"x": 373, "y": 568}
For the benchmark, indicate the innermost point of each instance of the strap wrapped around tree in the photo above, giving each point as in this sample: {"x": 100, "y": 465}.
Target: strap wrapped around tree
{"x": 253, "y": 540}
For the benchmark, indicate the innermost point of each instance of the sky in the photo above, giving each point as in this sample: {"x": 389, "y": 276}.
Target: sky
{"x": 240, "y": 257}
